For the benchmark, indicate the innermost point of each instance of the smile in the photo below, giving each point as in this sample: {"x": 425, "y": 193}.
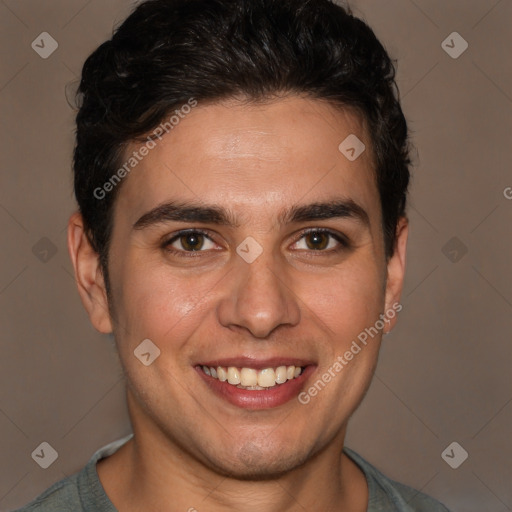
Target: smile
{"x": 250, "y": 384}
{"x": 252, "y": 379}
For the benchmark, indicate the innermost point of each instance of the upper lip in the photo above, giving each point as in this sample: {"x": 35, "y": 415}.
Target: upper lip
{"x": 257, "y": 364}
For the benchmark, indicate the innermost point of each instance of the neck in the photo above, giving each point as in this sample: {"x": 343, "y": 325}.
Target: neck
{"x": 153, "y": 472}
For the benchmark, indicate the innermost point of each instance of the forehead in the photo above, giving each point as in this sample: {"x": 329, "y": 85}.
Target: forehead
{"x": 253, "y": 158}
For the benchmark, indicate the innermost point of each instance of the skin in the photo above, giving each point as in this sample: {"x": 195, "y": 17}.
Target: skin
{"x": 192, "y": 449}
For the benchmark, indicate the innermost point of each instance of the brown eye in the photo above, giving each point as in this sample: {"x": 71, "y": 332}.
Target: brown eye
{"x": 322, "y": 240}
{"x": 192, "y": 241}
{"x": 189, "y": 241}
{"x": 317, "y": 240}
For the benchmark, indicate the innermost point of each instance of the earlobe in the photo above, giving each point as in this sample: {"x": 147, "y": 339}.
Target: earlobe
{"x": 396, "y": 272}
{"x": 88, "y": 275}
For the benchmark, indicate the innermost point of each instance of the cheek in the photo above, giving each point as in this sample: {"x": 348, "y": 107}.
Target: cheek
{"x": 153, "y": 303}
{"x": 348, "y": 299}
{"x": 348, "y": 302}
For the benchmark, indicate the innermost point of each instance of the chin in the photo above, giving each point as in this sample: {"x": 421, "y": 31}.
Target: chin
{"x": 251, "y": 462}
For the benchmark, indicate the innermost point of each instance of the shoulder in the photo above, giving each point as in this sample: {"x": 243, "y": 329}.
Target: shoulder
{"x": 62, "y": 495}
{"x": 385, "y": 493}
{"x": 80, "y": 492}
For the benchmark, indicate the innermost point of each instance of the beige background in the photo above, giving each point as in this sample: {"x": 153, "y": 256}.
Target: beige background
{"x": 444, "y": 373}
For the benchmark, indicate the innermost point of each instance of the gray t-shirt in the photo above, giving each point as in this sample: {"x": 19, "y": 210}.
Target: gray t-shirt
{"x": 83, "y": 492}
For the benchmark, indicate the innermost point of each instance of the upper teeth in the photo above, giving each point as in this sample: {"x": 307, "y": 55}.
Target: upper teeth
{"x": 251, "y": 378}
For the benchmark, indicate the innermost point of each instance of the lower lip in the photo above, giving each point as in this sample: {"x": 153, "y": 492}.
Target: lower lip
{"x": 258, "y": 399}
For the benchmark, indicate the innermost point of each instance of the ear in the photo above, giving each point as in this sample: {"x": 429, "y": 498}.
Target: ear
{"x": 88, "y": 275}
{"x": 396, "y": 271}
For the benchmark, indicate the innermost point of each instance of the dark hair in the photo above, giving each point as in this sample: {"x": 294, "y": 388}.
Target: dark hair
{"x": 168, "y": 51}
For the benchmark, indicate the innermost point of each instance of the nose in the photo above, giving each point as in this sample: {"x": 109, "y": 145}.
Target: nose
{"x": 258, "y": 297}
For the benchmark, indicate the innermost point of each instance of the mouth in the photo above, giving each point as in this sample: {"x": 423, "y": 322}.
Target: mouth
{"x": 256, "y": 385}
{"x": 252, "y": 379}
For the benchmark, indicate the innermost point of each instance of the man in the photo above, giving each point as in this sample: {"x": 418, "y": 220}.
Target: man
{"x": 241, "y": 170}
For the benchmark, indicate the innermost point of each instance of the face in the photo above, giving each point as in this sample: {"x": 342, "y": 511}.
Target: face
{"x": 247, "y": 242}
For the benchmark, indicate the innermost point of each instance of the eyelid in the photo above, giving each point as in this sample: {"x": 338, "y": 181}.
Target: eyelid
{"x": 340, "y": 237}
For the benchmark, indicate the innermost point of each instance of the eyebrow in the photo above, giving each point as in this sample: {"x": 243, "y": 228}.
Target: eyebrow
{"x": 213, "y": 214}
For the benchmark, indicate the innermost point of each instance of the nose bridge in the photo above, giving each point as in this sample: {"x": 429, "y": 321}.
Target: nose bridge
{"x": 259, "y": 297}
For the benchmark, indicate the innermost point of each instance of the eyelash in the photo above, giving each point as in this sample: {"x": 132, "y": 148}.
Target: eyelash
{"x": 344, "y": 243}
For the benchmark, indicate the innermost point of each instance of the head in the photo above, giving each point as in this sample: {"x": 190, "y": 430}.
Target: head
{"x": 241, "y": 107}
